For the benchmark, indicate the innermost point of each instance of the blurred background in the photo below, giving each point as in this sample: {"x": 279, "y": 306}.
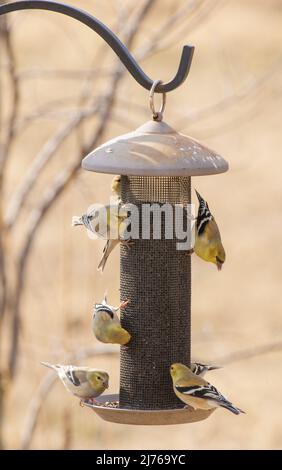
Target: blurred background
{"x": 63, "y": 92}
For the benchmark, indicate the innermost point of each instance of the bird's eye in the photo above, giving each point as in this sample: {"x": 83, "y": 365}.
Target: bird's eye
{"x": 99, "y": 378}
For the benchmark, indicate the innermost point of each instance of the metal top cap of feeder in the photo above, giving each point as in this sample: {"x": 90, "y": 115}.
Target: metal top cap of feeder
{"x": 154, "y": 149}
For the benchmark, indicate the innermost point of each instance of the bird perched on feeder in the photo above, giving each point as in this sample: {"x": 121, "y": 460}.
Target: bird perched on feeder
{"x": 200, "y": 369}
{"x": 208, "y": 245}
{"x": 106, "y": 222}
{"x": 83, "y": 382}
{"x": 196, "y": 391}
{"x": 106, "y": 324}
{"x": 116, "y": 186}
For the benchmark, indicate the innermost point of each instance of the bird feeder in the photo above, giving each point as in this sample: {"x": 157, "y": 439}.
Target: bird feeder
{"x": 156, "y": 163}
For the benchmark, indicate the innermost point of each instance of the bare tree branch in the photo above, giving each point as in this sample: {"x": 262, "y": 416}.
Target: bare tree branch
{"x": 193, "y": 12}
{"x": 63, "y": 180}
{"x": 15, "y": 98}
{"x": 43, "y": 157}
{"x": 248, "y": 92}
{"x": 250, "y": 353}
{"x": 54, "y": 143}
{"x": 61, "y": 74}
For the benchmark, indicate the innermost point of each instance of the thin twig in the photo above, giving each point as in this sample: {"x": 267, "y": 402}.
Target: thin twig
{"x": 61, "y": 74}
{"x": 193, "y": 12}
{"x": 250, "y": 353}
{"x": 43, "y": 157}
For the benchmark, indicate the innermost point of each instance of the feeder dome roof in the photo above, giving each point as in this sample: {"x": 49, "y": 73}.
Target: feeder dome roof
{"x": 154, "y": 149}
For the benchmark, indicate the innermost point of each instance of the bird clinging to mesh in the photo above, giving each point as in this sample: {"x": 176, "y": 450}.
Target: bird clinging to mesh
{"x": 106, "y": 222}
{"x": 106, "y": 324}
{"x": 208, "y": 245}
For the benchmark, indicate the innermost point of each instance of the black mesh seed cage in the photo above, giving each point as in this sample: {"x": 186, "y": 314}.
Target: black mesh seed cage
{"x": 156, "y": 277}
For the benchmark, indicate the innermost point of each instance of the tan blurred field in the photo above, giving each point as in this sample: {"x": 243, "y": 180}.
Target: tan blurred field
{"x": 238, "y": 64}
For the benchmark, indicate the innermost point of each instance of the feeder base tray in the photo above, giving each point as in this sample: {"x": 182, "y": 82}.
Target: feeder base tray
{"x": 108, "y": 409}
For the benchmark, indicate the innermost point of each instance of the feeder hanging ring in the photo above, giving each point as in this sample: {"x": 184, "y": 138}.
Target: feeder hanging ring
{"x": 157, "y": 115}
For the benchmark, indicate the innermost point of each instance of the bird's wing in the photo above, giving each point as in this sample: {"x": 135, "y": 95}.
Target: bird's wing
{"x": 212, "y": 230}
{"x": 204, "y": 215}
{"x": 206, "y": 391}
{"x": 198, "y": 368}
{"x": 75, "y": 376}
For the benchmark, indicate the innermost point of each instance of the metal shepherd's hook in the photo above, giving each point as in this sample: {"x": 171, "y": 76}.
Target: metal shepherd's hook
{"x": 111, "y": 39}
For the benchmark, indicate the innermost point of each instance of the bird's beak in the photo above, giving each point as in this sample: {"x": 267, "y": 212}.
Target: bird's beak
{"x": 219, "y": 265}
{"x": 124, "y": 304}
{"x": 106, "y": 384}
{"x": 76, "y": 220}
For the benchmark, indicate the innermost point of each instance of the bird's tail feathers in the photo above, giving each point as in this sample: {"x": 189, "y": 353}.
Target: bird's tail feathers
{"x": 108, "y": 248}
{"x": 200, "y": 199}
{"x": 212, "y": 367}
{"x": 104, "y": 301}
{"x": 106, "y": 252}
{"x": 230, "y": 407}
{"x": 51, "y": 366}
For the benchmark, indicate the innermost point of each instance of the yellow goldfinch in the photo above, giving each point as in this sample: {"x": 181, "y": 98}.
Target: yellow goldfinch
{"x": 107, "y": 222}
{"x": 104, "y": 221}
{"x": 196, "y": 391}
{"x": 116, "y": 186}
{"x": 106, "y": 324}
{"x": 208, "y": 245}
{"x": 200, "y": 369}
{"x": 83, "y": 382}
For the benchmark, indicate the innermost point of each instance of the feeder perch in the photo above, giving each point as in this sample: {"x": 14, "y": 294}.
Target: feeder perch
{"x": 156, "y": 164}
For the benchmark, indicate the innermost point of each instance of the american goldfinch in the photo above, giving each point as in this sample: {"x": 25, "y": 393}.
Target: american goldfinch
{"x": 116, "y": 186}
{"x": 106, "y": 324}
{"x": 196, "y": 391}
{"x": 83, "y": 382}
{"x": 200, "y": 369}
{"x": 108, "y": 222}
{"x": 105, "y": 221}
{"x": 208, "y": 245}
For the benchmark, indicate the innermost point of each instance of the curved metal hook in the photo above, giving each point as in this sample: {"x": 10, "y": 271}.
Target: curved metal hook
{"x": 113, "y": 41}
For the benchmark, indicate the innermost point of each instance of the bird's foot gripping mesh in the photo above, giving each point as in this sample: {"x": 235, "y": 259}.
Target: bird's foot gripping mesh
{"x": 156, "y": 278}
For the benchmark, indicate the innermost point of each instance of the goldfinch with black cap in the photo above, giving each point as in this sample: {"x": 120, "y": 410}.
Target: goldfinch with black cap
{"x": 106, "y": 324}
{"x": 196, "y": 391}
{"x": 208, "y": 245}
